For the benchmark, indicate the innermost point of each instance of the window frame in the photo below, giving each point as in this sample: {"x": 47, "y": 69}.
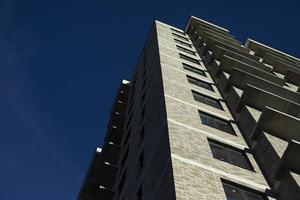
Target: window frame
{"x": 217, "y": 104}
{"x": 180, "y": 37}
{"x": 227, "y": 154}
{"x": 186, "y": 50}
{"x": 214, "y": 124}
{"x": 194, "y": 81}
{"x": 182, "y": 43}
{"x": 243, "y": 190}
{"x": 188, "y": 58}
{"x": 194, "y": 69}
{"x": 139, "y": 193}
{"x": 141, "y": 163}
{"x": 177, "y": 31}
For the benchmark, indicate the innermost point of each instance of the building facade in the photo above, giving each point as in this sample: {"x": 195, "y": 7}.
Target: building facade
{"x": 204, "y": 117}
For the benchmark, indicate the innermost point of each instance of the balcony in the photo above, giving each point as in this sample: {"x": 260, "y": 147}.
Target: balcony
{"x": 259, "y": 99}
{"x": 227, "y": 40}
{"x": 227, "y": 64}
{"x": 218, "y": 51}
{"x": 114, "y": 135}
{"x": 99, "y": 173}
{"x": 290, "y": 160}
{"x": 240, "y": 79}
{"x": 106, "y": 175}
{"x": 279, "y": 124}
{"x": 104, "y": 194}
{"x": 110, "y": 153}
{"x": 117, "y": 120}
{"x": 212, "y": 40}
{"x": 293, "y": 77}
{"x": 199, "y": 29}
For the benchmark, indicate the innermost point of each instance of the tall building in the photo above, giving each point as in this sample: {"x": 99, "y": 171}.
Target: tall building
{"x": 204, "y": 117}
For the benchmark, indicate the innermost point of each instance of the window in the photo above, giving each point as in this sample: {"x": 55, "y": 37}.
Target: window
{"x": 177, "y": 31}
{"x": 144, "y": 73}
{"x": 132, "y": 91}
{"x": 185, "y": 50}
{"x": 139, "y": 193}
{"x": 133, "y": 81}
{"x": 143, "y": 112}
{"x": 199, "y": 83}
{"x": 144, "y": 83}
{"x": 127, "y": 136}
{"x": 182, "y": 43}
{"x": 140, "y": 163}
{"x": 216, "y": 122}
{"x": 207, "y": 100}
{"x": 142, "y": 135}
{"x": 235, "y": 192}
{"x": 193, "y": 69}
{"x": 229, "y": 154}
{"x": 122, "y": 182}
{"x": 125, "y": 156}
{"x": 129, "y": 120}
{"x": 179, "y": 36}
{"x": 131, "y": 100}
{"x": 143, "y": 96}
{"x": 189, "y": 58}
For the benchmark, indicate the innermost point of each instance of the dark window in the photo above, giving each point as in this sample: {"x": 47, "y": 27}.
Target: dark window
{"x": 144, "y": 79}
{"x": 139, "y": 193}
{"x": 132, "y": 91}
{"x": 131, "y": 99}
{"x": 179, "y": 36}
{"x": 144, "y": 84}
{"x": 127, "y": 136}
{"x": 133, "y": 80}
{"x": 129, "y": 120}
{"x": 216, "y": 122}
{"x": 193, "y": 69}
{"x": 177, "y": 31}
{"x": 185, "y": 50}
{"x": 143, "y": 112}
{"x": 121, "y": 184}
{"x": 125, "y": 156}
{"x": 199, "y": 83}
{"x": 142, "y": 135}
{"x": 130, "y": 108}
{"x": 141, "y": 163}
{"x": 144, "y": 73}
{"x": 182, "y": 43}
{"x": 235, "y": 192}
{"x": 143, "y": 96}
{"x": 229, "y": 154}
{"x": 188, "y": 58}
{"x": 207, "y": 100}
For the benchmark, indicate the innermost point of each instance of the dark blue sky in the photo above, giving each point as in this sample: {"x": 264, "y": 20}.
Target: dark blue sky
{"x": 60, "y": 65}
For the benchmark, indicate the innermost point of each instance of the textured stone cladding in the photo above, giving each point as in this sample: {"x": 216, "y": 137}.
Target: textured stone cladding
{"x": 197, "y": 175}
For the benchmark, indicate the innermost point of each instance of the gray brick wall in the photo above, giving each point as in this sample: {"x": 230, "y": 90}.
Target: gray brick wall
{"x": 197, "y": 174}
